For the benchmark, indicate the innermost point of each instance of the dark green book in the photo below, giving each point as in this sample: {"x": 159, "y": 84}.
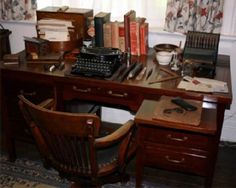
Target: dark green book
{"x": 99, "y": 20}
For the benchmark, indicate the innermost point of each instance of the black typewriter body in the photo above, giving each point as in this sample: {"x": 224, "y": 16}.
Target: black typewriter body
{"x": 97, "y": 62}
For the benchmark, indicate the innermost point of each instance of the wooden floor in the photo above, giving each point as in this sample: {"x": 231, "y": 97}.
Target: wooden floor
{"x": 225, "y": 172}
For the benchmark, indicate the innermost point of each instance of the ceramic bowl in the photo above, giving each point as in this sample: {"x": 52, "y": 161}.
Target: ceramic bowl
{"x": 165, "y": 47}
{"x": 164, "y": 57}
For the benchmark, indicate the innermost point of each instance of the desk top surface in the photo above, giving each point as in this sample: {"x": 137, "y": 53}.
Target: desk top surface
{"x": 168, "y": 87}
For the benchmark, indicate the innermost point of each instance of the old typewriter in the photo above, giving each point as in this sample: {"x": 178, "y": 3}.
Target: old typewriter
{"x": 97, "y": 62}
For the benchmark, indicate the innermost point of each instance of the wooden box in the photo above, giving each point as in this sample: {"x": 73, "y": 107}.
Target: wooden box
{"x": 77, "y": 16}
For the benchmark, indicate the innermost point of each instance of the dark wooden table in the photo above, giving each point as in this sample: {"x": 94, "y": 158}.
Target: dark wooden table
{"x": 33, "y": 81}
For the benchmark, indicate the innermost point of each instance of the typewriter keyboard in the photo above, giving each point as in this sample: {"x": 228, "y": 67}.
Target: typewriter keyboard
{"x": 95, "y": 67}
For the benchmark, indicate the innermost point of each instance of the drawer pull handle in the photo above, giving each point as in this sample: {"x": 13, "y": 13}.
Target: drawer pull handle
{"x": 169, "y": 136}
{"x": 28, "y": 94}
{"x": 117, "y": 94}
{"x": 82, "y": 90}
{"x": 174, "y": 160}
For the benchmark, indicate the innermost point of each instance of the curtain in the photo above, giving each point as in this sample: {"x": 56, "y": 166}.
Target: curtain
{"x": 194, "y": 15}
{"x": 229, "y": 18}
{"x": 18, "y": 9}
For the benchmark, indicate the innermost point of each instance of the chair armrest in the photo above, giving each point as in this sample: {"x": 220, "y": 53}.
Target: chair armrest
{"x": 116, "y": 136}
{"x": 48, "y": 103}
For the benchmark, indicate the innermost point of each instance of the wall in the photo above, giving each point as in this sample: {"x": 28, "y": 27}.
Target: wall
{"x": 227, "y": 46}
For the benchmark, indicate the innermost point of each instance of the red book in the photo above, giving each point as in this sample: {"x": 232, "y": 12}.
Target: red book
{"x": 128, "y": 17}
{"x": 144, "y": 38}
{"x": 135, "y": 36}
{"x": 122, "y": 37}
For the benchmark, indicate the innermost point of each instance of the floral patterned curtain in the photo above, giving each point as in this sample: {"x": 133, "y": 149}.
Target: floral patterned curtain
{"x": 18, "y": 9}
{"x": 194, "y": 15}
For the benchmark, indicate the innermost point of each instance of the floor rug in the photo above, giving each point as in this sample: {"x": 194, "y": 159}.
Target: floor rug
{"x": 24, "y": 173}
{"x": 28, "y": 174}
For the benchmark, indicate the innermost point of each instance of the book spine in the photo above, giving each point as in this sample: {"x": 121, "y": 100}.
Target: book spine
{"x": 127, "y": 32}
{"x": 115, "y": 34}
{"x": 99, "y": 20}
{"x": 128, "y": 17}
{"x": 98, "y": 24}
{"x": 133, "y": 42}
{"x": 144, "y": 38}
{"x": 134, "y": 38}
{"x": 122, "y": 37}
{"x": 107, "y": 34}
{"x": 138, "y": 38}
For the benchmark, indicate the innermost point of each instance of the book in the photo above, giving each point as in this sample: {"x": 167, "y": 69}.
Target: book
{"x": 115, "y": 34}
{"x": 122, "y": 36}
{"x": 129, "y": 16}
{"x": 107, "y": 34}
{"x": 99, "y": 20}
{"x": 135, "y": 35}
{"x": 144, "y": 29}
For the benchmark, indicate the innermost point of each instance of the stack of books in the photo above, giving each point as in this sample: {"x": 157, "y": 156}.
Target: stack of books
{"x": 128, "y": 35}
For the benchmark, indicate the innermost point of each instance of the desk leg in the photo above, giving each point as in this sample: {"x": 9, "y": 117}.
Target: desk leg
{"x": 215, "y": 146}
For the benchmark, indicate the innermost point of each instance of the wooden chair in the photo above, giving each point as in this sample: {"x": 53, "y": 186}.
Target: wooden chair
{"x": 70, "y": 143}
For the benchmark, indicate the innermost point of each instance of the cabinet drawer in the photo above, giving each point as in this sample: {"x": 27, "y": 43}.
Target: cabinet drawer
{"x": 173, "y": 159}
{"x": 177, "y": 138}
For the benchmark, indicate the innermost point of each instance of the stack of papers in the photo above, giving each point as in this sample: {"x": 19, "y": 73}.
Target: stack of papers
{"x": 203, "y": 85}
{"x": 55, "y": 29}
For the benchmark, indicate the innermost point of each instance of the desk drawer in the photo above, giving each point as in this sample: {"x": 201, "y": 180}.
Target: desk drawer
{"x": 118, "y": 96}
{"x": 174, "y": 159}
{"x": 177, "y": 138}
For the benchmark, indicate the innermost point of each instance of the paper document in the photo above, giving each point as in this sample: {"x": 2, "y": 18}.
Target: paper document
{"x": 203, "y": 85}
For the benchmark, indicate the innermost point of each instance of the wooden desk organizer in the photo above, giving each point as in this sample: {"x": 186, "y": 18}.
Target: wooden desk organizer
{"x": 201, "y": 49}
{"x": 79, "y": 21}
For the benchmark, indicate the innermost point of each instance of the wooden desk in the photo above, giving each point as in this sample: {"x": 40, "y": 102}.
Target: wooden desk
{"x": 35, "y": 82}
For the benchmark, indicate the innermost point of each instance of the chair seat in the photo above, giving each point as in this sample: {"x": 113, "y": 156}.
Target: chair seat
{"x": 107, "y": 156}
